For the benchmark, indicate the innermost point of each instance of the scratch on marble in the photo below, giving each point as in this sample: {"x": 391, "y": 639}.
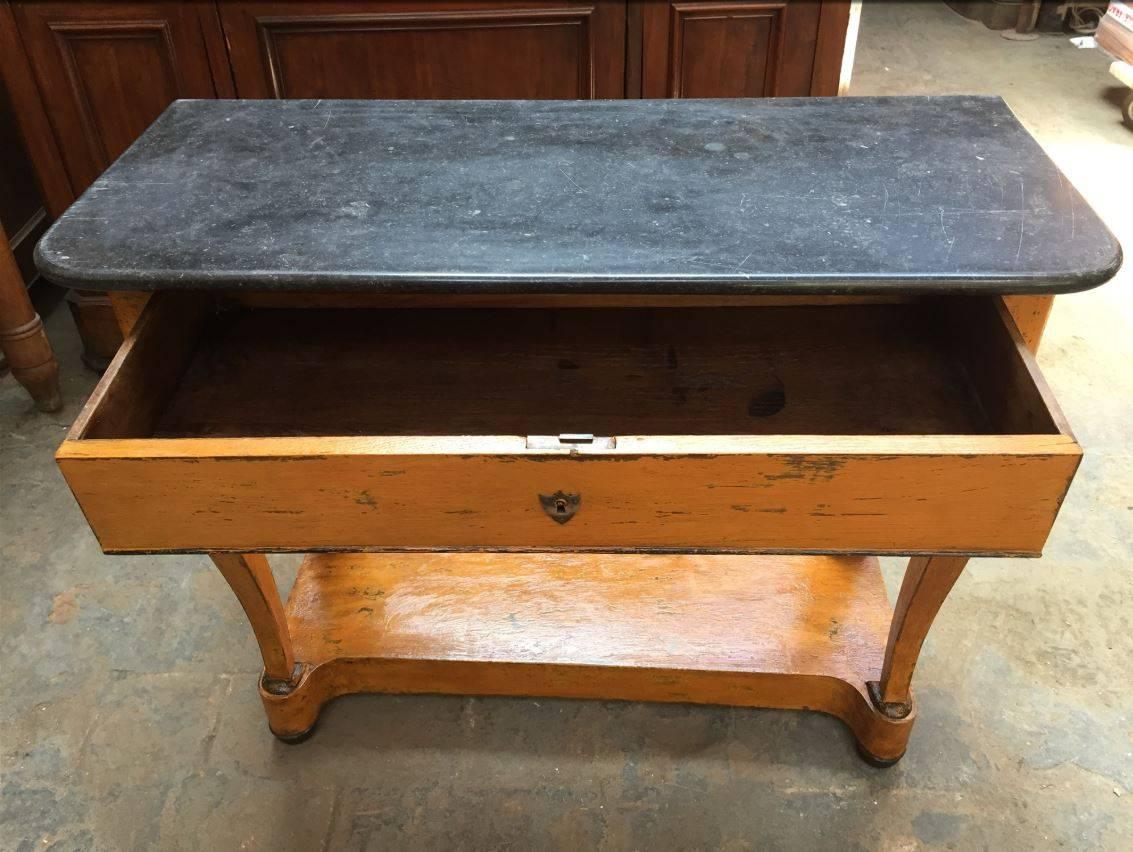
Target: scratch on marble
{"x": 1022, "y": 220}
{"x": 951, "y": 240}
{"x": 572, "y": 180}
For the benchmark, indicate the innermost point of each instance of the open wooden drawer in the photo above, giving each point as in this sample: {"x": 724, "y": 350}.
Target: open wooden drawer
{"x": 874, "y": 428}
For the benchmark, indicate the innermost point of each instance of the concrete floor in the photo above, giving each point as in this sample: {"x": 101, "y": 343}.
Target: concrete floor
{"x": 130, "y": 718}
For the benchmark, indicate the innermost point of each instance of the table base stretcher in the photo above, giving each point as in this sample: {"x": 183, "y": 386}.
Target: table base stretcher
{"x": 784, "y": 632}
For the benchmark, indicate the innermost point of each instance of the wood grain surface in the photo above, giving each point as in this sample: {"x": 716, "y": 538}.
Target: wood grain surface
{"x": 843, "y": 370}
{"x": 819, "y": 615}
{"x": 994, "y": 494}
{"x": 1030, "y": 314}
{"x": 787, "y": 632}
{"x": 945, "y": 440}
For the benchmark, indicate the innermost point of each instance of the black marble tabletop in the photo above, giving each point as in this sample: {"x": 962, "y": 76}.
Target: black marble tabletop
{"x": 790, "y": 196}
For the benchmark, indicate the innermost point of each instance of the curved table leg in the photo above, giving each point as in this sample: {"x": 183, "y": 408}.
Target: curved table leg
{"x": 22, "y": 338}
{"x": 928, "y": 579}
{"x": 251, "y": 579}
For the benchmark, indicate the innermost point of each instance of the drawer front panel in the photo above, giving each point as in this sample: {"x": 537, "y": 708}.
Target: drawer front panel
{"x": 335, "y": 495}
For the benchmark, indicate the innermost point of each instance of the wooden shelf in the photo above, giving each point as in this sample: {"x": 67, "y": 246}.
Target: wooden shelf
{"x": 766, "y": 631}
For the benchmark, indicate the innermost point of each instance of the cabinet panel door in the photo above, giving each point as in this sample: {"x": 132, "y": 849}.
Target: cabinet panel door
{"x": 107, "y": 70}
{"x": 466, "y": 49}
{"x": 731, "y": 49}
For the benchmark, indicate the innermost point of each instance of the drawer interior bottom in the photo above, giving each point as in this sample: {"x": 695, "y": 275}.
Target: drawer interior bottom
{"x": 850, "y": 370}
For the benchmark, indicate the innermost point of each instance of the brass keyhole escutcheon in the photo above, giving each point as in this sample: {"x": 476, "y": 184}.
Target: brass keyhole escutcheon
{"x": 560, "y": 507}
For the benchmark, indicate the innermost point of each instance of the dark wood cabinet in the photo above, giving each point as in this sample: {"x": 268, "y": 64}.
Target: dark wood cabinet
{"x": 106, "y": 70}
{"x": 496, "y": 49}
{"x": 738, "y": 49}
{"x": 23, "y": 214}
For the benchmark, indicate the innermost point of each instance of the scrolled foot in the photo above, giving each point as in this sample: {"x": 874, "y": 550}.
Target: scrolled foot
{"x": 293, "y": 706}
{"x": 875, "y": 761}
{"x": 293, "y": 739}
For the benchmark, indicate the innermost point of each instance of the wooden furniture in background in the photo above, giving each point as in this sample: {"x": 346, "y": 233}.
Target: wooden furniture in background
{"x": 23, "y": 219}
{"x": 23, "y": 215}
{"x": 106, "y": 70}
{"x": 22, "y": 338}
{"x": 426, "y": 49}
{"x": 742, "y": 49}
{"x": 102, "y": 73}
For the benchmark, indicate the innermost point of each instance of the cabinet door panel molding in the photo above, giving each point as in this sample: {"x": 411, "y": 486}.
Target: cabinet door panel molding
{"x": 415, "y": 50}
{"x": 736, "y": 49}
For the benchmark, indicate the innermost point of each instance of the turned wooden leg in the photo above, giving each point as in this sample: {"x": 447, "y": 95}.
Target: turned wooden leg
{"x": 251, "y": 579}
{"x": 22, "y": 337}
{"x": 928, "y": 579}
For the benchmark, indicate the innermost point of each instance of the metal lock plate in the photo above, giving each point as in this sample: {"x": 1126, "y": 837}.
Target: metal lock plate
{"x": 560, "y": 506}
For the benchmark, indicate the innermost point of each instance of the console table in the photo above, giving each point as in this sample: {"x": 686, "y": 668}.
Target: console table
{"x": 597, "y": 400}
